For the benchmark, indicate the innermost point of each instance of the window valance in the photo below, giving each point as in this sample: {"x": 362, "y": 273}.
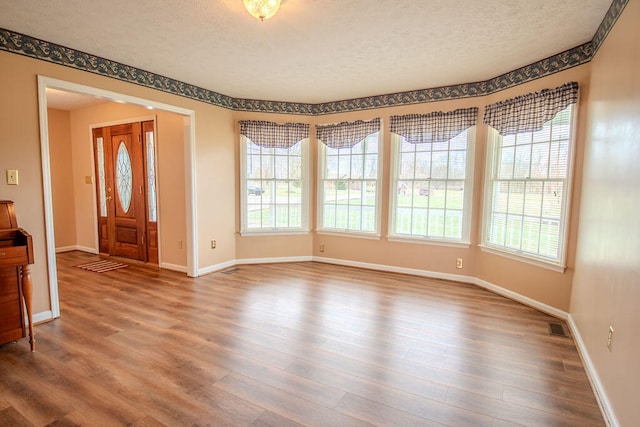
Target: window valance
{"x": 433, "y": 127}
{"x": 346, "y": 134}
{"x": 529, "y": 113}
{"x": 274, "y": 135}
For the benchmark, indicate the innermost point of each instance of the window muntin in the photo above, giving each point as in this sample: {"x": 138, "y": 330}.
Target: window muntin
{"x": 274, "y": 188}
{"x": 431, "y": 189}
{"x": 528, "y": 190}
{"x": 349, "y": 187}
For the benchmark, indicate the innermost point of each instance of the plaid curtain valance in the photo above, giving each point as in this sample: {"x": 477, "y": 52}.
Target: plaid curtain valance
{"x": 274, "y": 135}
{"x": 346, "y": 134}
{"x": 433, "y": 127}
{"x": 529, "y": 113}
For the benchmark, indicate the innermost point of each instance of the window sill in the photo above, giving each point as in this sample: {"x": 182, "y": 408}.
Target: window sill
{"x": 252, "y": 233}
{"x": 549, "y": 265}
{"x": 347, "y": 233}
{"x": 428, "y": 241}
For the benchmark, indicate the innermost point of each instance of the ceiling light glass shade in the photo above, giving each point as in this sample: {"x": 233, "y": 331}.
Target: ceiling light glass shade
{"x": 262, "y": 9}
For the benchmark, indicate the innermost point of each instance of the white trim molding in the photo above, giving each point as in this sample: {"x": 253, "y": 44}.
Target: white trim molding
{"x": 190, "y": 184}
{"x": 552, "y": 311}
{"x": 598, "y": 389}
{"x": 545, "y": 308}
{"x": 43, "y": 316}
{"x": 77, "y": 248}
{"x": 393, "y": 269}
{"x": 246, "y": 261}
{"x": 173, "y": 267}
{"x": 216, "y": 267}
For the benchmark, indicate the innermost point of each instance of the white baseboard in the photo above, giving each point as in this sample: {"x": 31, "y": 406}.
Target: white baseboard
{"x": 216, "y": 267}
{"x": 76, "y": 248}
{"x": 246, "y": 261}
{"x": 455, "y": 277}
{"x": 594, "y": 378}
{"x": 42, "y": 316}
{"x": 173, "y": 267}
{"x": 393, "y": 269}
{"x": 552, "y": 311}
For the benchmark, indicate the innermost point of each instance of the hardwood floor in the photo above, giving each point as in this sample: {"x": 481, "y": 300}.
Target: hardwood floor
{"x": 289, "y": 345}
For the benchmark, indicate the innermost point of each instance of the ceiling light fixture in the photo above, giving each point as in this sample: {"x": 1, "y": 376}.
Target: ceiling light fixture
{"x": 262, "y": 9}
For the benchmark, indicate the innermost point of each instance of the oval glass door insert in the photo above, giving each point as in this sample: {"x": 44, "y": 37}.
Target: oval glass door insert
{"x": 124, "y": 176}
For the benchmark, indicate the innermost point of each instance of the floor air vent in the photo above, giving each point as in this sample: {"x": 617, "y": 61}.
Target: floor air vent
{"x": 558, "y": 329}
{"x": 230, "y": 270}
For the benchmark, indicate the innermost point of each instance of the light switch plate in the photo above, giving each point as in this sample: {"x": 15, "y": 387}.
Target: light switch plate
{"x": 12, "y": 176}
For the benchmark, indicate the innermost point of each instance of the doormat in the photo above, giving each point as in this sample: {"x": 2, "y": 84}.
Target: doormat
{"x": 102, "y": 266}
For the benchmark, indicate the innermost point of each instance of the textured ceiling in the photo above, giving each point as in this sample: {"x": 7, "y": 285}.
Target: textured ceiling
{"x": 314, "y": 51}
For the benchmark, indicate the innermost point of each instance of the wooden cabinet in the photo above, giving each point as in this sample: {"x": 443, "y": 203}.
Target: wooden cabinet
{"x": 11, "y": 314}
{"x": 16, "y": 253}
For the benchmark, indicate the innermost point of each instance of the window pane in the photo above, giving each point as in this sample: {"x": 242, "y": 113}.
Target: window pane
{"x": 357, "y": 166}
{"x": 453, "y": 224}
{"x": 516, "y": 198}
{"x": 505, "y": 167}
{"x": 540, "y": 161}
{"x": 101, "y": 177}
{"x": 533, "y": 199}
{"x": 422, "y": 165}
{"x": 522, "y": 162}
{"x": 407, "y": 165}
{"x": 552, "y": 200}
{"x": 420, "y": 219}
{"x": 440, "y": 166}
{"x": 457, "y": 164}
{"x": 281, "y": 167}
{"x": 151, "y": 176}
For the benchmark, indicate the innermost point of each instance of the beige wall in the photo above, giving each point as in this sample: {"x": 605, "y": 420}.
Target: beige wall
{"x": 606, "y": 288}
{"x": 62, "y": 188}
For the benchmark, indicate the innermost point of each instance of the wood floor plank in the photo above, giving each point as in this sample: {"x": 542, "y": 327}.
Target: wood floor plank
{"x": 289, "y": 345}
{"x": 271, "y": 419}
{"x": 382, "y": 415}
{"x": 285, "y": 404}
{"x": 413, "y": 402}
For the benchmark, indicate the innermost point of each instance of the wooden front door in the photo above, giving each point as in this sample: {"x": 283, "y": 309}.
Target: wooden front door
{"x": 124, "y": 178}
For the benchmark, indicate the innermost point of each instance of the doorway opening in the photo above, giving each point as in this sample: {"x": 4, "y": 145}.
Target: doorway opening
{"x": 188, "y": 118}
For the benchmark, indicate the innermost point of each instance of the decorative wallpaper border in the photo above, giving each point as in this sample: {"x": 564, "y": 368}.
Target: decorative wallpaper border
{"x": 39, "y": 49}
{"x": 610, "y": 18}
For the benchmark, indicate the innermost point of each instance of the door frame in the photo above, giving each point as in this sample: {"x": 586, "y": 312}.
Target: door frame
{"x": 190, "y": 173}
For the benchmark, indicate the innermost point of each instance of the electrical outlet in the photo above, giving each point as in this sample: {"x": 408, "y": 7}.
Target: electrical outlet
{"x": 321, "y": 248}
{"x": 610, "y": 338}
{"x": 213, "y": 244}
{"x": 458, "y": 262}
{"x": 12, "y": 177}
